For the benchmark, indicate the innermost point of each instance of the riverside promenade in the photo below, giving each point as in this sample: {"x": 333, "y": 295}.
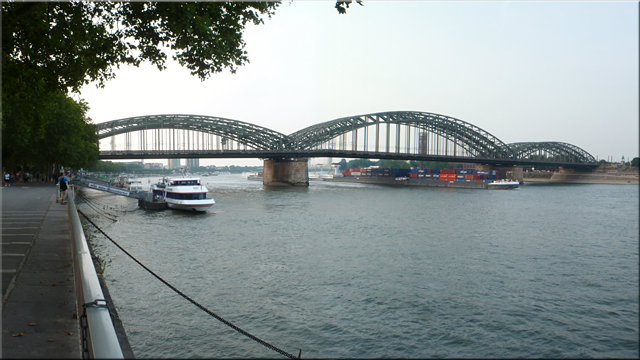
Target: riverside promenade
{"x": 39, "y": 306}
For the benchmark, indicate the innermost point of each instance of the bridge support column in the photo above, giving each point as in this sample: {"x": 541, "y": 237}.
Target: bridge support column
{"x": 508, "y": 172}
{"x": 286, "y": 172}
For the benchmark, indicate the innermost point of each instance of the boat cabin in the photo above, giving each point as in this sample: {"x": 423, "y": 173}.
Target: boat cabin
{"x": 183, "y": 182}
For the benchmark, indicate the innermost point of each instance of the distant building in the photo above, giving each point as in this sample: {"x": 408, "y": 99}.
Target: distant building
{"x": 193, "y": 163}
{"x": 174, "y": 164}
{"x": 153, "y": 166}
{"x": 140, "y": 163}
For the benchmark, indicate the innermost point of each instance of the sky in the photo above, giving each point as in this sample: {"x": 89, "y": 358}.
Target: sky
{"x": 522, "y": 71}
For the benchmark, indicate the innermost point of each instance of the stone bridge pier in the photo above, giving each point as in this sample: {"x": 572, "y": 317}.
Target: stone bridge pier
{"x": 286, "y": 172}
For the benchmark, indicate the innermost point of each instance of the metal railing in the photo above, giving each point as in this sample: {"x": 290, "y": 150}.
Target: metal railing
{"x": 99, "y": 340}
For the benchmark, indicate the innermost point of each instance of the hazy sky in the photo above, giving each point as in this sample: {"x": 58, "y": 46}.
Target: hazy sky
{"x": 523, "y": 71}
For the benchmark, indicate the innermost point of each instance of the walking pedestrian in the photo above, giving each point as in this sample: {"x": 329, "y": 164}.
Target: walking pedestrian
{"x": 7, "y": 179}
{"x": 13, "y": 176}
{"x": 62, "y": 180}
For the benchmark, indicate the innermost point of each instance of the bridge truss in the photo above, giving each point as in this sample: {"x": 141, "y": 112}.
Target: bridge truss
{"x": 396, "y": 135}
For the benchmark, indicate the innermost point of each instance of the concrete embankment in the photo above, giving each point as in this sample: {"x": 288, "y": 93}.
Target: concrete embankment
{"x": 597, "y": 177}
{"x": 412, "y": 182}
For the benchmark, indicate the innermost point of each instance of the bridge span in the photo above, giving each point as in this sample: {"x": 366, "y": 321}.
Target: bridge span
{"x": 399, "y": 135}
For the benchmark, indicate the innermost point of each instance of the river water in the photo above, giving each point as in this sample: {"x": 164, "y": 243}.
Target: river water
{"x": 343, "y": 270}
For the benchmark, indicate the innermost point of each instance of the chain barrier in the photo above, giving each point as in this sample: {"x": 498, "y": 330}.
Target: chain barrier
{"x": 234, "y": 327}
{"x": 93, "y": 206}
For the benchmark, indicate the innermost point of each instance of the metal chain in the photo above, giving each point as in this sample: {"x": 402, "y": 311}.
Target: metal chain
{"x": 85, "y": 334}
{"x": 252, "y": 337}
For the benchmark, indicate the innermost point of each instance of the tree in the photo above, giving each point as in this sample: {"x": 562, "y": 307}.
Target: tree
{"x": 59, "y": 46}
{"x": 428, "y": 164}
{"x": 360, "y": 163}
{"x": 635, "y": 162}
{"x": 393, "y": 164}
{"x": 55, "y": 47}
{"x": 69, "y": 44}
{"x": 343, "y": 165}
{"x": 70, "y": 138}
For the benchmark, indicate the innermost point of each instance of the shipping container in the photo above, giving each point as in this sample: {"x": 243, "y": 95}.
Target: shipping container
{"x": 414, "y": 171}
{"x": 413, "y": 175}
{"x": 447, "y": 171}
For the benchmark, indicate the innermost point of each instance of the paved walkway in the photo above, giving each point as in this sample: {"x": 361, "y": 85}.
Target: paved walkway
{"x": 39, "y": 317}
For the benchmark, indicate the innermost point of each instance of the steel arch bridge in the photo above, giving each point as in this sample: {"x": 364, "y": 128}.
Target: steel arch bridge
{"x": 408, "y": 135}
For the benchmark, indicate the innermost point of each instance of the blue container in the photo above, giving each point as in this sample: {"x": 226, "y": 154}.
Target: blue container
{"x": 414, "y": 171}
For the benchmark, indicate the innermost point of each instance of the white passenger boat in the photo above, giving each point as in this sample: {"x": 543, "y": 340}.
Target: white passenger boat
{"x": 133, "y": 184}
{"x": 504, "y": 184}
{"x": 183, "y": 193}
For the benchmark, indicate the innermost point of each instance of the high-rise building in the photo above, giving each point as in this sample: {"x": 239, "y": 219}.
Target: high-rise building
{"x": 174, "y": 164}
{"x": 193, "y": 163}
{"x": 422, "y": 143}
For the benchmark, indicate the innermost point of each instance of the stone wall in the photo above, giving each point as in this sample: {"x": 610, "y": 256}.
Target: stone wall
{"x": 285, "y": 172}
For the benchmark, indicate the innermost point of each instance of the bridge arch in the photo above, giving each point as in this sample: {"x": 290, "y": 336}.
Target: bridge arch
{"x": 551, "y": 151}
{"x": 254, "y": 136}
{"x": 472, "y": 140}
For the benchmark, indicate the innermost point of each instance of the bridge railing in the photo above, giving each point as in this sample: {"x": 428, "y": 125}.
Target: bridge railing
{"x": 100, "y": 340}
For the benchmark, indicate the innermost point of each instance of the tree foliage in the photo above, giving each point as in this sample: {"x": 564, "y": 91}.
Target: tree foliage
{"x": 69, "y": 44}
{"x": 342, "y": 6}
{"x": 428, "y": 164}
{"x": 360, "y": 163}
{"x": 343, "y": 165}
{"x": 52, "y": 48}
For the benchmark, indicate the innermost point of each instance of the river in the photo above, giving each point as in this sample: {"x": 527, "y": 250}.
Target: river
{"x": 344, "y": 270}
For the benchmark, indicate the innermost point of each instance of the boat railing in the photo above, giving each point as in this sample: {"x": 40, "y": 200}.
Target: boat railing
{"x": 101, "y": 339}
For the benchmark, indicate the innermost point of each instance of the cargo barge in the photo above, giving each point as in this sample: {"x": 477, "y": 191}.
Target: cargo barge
{"x": 451, "y": 178}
